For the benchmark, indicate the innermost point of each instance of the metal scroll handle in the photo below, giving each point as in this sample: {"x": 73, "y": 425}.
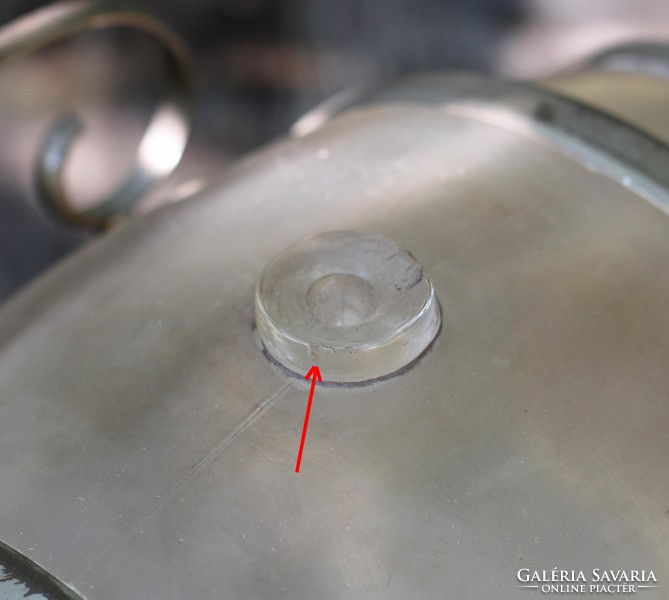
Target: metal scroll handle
{"x": 163, "y": 143}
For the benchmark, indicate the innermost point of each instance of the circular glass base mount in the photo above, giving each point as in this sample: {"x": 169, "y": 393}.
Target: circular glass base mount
{"x": 356, "y": 304}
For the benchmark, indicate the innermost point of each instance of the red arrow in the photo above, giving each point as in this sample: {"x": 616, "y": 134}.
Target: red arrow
{"x": 314, "y": 372}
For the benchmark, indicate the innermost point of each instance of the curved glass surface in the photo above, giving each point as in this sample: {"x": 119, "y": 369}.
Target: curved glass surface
{"x": 21, "y": 578}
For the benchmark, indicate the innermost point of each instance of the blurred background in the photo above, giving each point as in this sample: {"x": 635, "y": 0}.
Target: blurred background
{"x": 259, "y": 65}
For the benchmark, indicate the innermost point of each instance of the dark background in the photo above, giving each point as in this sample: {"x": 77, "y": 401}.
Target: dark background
{"x": 259, "y": 64}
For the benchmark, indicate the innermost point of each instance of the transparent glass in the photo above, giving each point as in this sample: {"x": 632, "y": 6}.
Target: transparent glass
{"x": 356, "y": 304}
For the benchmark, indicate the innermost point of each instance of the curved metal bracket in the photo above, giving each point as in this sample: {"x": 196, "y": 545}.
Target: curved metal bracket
{"x": 165, "y": 138}
{"x": 645, "y": 58}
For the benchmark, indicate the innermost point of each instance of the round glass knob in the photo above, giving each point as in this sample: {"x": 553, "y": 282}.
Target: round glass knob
{"x": 356, "y": 304}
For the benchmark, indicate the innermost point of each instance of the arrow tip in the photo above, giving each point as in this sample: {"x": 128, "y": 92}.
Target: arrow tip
{"x": 314, "y": 372}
